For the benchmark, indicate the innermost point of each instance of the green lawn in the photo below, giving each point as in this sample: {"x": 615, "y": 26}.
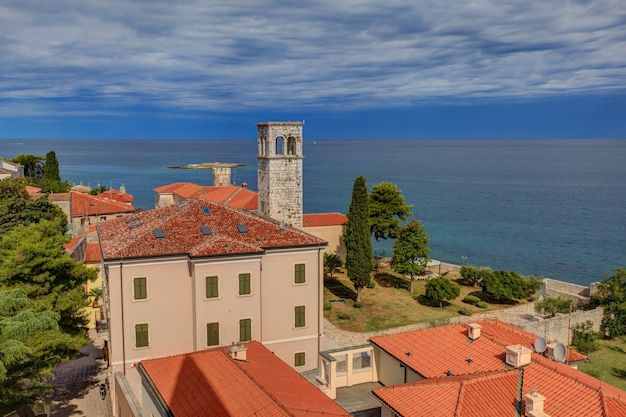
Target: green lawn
{"x": 608, "y": 363}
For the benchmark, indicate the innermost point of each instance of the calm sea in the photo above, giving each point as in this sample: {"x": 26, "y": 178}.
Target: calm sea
{"x": 555, "y": 208}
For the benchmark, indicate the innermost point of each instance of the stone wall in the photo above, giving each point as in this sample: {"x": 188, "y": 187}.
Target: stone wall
{"x": 555, "y": 288}
{"x": 560, "y": 328}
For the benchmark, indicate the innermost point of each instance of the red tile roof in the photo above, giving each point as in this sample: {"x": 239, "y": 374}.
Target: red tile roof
{"x": 89, "y": 205}
{"x": 324, "y": 219}
{"x": 233, "y": 195}
{"x": 210, "y": 383}
{"x": 93, "y": 252}
{"x": 134, "y": 236}
{"x": 484, "y": 388}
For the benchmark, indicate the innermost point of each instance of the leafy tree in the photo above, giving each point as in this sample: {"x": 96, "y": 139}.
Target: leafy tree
{"x": 504, "y": 285}
{"x": 33, "y": 165}
{"x": 612, "y": 297}
{"x": 410, "y": 251}
{"x": 98, "y": 190}
{"x": 442, "y": 289}
{"x": 387, "y": 209}
{"x": 357, "y": 238}
{"x": 332, "y": 262}
{"x": 17, "y": 209}
{"x": 550, "y": 306}
{"x": 533, "y": 284}
{"x": 51, "y": 167}
{"x": 472, "y": 275}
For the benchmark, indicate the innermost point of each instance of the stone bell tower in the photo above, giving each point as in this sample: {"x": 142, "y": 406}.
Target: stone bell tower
{"x": 280, "y": 171}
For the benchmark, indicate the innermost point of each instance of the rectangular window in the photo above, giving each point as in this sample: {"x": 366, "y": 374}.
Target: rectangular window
{"x": 245, "y": 330}
{"x": 244, "y": 284}
{"x": 140, "y": 288}
{"x": 300, "y": 316}
{"x": 141, "y": 335}
{"x": 212, "y": 289}
{"x": 300, "y": 275}
{"x": 299, "y": 359}
{"x": 212, "y": 334}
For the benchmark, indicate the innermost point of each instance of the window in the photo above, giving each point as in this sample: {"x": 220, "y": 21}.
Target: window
{"x": 245, "y": 330}
{"x": 141, "y": 335}
{"x": 244, "y": 284}
{"x": 299, "y": 274}
{"x": 140, "y": 291}
{"x": 299, "y": 359}
{"x": 212, "y": 334}
{"x": 212, "y": 288}
{"x": 300, "y": 316}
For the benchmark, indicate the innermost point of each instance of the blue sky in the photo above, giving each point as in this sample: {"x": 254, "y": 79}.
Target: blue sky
{"x": 349, "y": 69}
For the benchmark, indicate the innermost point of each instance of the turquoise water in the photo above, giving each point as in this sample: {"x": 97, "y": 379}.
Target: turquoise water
{"x": 555, "y": 208}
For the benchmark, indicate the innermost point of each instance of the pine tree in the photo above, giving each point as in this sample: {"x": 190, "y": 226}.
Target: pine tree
{"x": 357, "y": 238}
{"x": 387, "y": 209}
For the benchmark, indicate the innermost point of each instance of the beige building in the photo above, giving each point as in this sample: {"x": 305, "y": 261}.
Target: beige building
{"x": 10, "y": 169}
{"x": 200, "y": 274}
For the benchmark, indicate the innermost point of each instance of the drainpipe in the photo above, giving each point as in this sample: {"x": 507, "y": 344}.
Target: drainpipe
{"x": 320, "y": 301}
{"x": 123, "y": 326}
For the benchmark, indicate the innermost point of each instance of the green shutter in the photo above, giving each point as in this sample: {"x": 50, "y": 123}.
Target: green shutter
{"x": 213, "y": 334}
{"x": 245, "y": 330}
{"x": 300, "y": 274}
{"x": 300, "y": 316}
{"x": 141, "y": 335}
{"x": 212, "y": 290}
{"x": 299, "y": 359}
{"x": 140, "y": 291}
{"x": 244, "y": 284}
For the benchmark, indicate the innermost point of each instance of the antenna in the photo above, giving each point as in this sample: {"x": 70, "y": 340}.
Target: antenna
{"x": 540, "y": 345}
{"x": 560, "y": 352}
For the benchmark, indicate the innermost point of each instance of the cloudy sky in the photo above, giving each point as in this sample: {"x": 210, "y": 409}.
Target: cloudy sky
{"x": 349, "y": 68}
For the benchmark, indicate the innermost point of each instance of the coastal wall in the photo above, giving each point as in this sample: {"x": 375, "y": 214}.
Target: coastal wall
{"x": 555, "y": 288}
{"x": 560, "y": 327}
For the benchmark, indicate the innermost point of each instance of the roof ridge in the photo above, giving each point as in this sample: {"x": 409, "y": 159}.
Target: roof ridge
{"x": 459, "y": 401}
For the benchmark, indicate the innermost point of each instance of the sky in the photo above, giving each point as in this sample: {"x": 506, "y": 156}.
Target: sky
{"x": 347, "y": 68}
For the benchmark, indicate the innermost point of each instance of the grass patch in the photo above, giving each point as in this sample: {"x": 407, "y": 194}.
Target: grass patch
{"x": 608, "y": 363}
{"x": 390, "y": 303}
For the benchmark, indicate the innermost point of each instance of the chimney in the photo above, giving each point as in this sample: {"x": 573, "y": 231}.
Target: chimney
{"x": 534, "y": 404}
{"x": 473, "y": 331}
{"x": 517, "y": 356}
{"x": 123, "y": 189}
{"x": 238, "y": 351}
{"x": 244, "y": 185}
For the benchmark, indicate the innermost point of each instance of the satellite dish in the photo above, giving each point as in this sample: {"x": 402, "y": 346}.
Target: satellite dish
{"x": 560, "y": 352}
{"x": 540, "y": 345}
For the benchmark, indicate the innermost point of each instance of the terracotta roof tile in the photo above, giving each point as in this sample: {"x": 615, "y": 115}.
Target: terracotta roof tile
{"x": 568, "y": 391}
{"x": 89, "y": 205}
{"x": 134, "y": 236}
{"x": 324, "y": 219}
{"x": 210, "y": 383}
{"x": 93, "y": 252}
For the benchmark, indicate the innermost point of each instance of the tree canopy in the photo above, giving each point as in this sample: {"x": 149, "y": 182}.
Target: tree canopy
{"x": 332, "y": 262}
{"x": 472, "y": 275}
{"x": 387, "y": 209}
{"x": 612, "y": 297}
{"x": 410, "y": 250}
{"x": 33, "y": 165}
{"x": 357, "y": 238}
{"x": 51, "y": 167}
{"x": 504, "y": 285}
{"x": 442, "y": 289}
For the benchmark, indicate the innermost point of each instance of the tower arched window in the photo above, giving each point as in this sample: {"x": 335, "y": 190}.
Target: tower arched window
{"x": 279, "y": 145}
{"x": 291, "y": 146}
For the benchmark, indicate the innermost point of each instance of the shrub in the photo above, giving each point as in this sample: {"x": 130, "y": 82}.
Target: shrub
{"x": 471, "y": 299}
{"x": 439, "y": 322}
{"x": 585, "y": 338}
{"x": 343, "y": 316}
{"x": 371, "y": 284}
{"x": 549, "y": 306}
{"x": 482, "y": 304}
{"x": 466, "y": 311}
{"x": 327, "y": 306}
{"x": 357, "y": 304}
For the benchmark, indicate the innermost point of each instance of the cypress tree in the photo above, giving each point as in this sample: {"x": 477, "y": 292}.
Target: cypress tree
{"x": 357, "y": 238}
{"x": 51, "y": 168}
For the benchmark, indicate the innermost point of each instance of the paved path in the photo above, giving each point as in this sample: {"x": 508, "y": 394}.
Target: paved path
{"x": 76, "y": 385}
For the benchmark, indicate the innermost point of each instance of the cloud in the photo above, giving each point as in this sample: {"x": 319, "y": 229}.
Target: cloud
{"x": 194, "y": 56}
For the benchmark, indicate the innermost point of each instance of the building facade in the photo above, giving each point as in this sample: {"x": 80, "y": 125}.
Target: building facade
{"x": 199, "y": 275}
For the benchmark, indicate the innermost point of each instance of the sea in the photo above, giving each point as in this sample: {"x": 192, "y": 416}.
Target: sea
{"x": 551, "y": 208}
